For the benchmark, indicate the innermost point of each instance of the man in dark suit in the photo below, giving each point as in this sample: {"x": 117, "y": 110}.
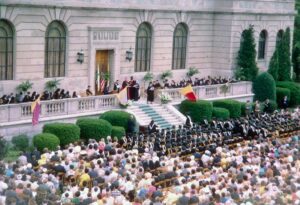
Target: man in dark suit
{"x": 285, "y": 102}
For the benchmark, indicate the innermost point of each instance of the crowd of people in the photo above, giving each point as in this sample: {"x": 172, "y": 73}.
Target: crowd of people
{"x": 242, "y": 161}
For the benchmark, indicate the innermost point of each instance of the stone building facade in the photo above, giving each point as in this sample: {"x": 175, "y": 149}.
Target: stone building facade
{"x": 42, "y": 40}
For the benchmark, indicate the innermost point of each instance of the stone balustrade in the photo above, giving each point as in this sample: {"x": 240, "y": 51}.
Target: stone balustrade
{"x": 52, "y": 108}
{"x": 212, "y": 91}
{"x": 77, "y": 106}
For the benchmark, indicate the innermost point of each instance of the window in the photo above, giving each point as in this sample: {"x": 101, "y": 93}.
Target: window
{"x": 279, "y": 37}
{"x": 143, "y": 48}
{"x": 262, "y": 44}
{"x": 179, "y": 47}
{"x": 55, "y": 52}
{"x": 6, "y": 50}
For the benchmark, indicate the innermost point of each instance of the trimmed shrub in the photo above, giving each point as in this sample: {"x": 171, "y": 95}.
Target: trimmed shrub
{"x": 4, "y": 147}
{"x": 45, "y": 140}
{"x": 281, "y": 93}
{"x": 264, "y": 87}
{"x": 66, "y": 132}
{"x": 94, "y": 128}
{"x": 198, "y": 111}
{"x": 233, "y": 106}
{"x": 21, "y": 142}
{"x": 294, "y": 89}
{"x": 118, "y": 132}
{"x": 220, "y": 113}
{"x": 118, "y": 118}
{"x": 272, "y": 108}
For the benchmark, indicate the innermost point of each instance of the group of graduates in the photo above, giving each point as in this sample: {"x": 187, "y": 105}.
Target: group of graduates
{"x": 133, "y": 86}
{"x": 194, "y": 137}
{"x": 22, "y": 97}
{"x": 197, "y": 82}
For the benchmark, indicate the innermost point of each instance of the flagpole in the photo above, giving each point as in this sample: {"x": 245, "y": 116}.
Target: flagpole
{"x": 108, "y": 72}
{"x": 98, "y": 77}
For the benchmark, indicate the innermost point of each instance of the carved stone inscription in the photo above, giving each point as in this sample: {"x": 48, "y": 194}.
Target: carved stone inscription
{"x": 106, "y": 35}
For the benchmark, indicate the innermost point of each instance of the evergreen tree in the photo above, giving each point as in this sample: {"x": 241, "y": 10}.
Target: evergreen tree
{"x": 246, "y": 59}
{"x": 296, "y": 43}
{"x": 284, "y": 57}
{"x": 274, "y": 64}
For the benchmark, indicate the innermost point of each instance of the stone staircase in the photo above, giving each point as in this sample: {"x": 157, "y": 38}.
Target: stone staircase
{"x": 163, "y": 115}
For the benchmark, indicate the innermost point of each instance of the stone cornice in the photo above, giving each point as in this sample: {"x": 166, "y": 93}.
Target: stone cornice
{"x": 268, "y": 7}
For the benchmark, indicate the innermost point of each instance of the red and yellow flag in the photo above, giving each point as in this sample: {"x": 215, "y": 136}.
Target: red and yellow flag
{"x": 189, "y": 93}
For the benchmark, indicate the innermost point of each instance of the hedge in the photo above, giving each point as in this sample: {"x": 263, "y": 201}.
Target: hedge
{"x": 233, "y": 106}
{"x": 294, "y": 89}
{"x": 220, "y": 113}
{"x": 94, "y": 128}
{"x": 281, "y": 93}
{"x": 198, "y": 111}
{"x": 21, "y": 142}
{"x": 117, "y": 118}
{"x": 45, "y": 140}
{"x": 66, "y": 132}
{"x": 272, "y": 108}
{"x": 118, "y": 132}
{"x": 264, "y": 87}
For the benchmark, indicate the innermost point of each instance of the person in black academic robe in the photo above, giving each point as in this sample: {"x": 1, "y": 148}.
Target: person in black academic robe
{"x": 117, "y": 87}
{"x": 27, "y": 97}
{"x": 152, "y": 127}
{"x": 188, "y": 122}
{"x": 88, "y": 91}
{"x": 136, "y": 88}
{"x": 150, "y": 93}
{"x": 124, "y": 83}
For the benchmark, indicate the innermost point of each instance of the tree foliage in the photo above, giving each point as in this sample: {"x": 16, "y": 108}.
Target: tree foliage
{"x": 296, "y": 43}
{"x": 284, "y": 57}
{"x": 246, "y": 60}
{"x": 274, "y": 65}
{"x": 264, "y": 87}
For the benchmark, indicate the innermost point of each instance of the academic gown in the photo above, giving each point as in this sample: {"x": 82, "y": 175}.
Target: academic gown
{"x": 136, "y": 88}
{"x": 150, "y": 94}
{"x": 152, "y": 127}
{"x": 131, "y": 89}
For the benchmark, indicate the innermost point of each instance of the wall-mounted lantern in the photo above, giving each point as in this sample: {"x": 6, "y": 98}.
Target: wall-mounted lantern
{"x": 80, "y": 57}
{"x": 129, "y": 54}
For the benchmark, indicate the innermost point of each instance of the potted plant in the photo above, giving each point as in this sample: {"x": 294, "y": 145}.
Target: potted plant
{"x": 24, "y": 86}
{"x": 164, "y": 98}
{"x": 148, "y": 77}
{"x": 124, "y": 106}
{"x": 52, "y": 85}
{"x": 224, "y": 89}
{"x": 166, "y": 74}
{"x": 106, "y": 76}
{"x": 191, "y": 72}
